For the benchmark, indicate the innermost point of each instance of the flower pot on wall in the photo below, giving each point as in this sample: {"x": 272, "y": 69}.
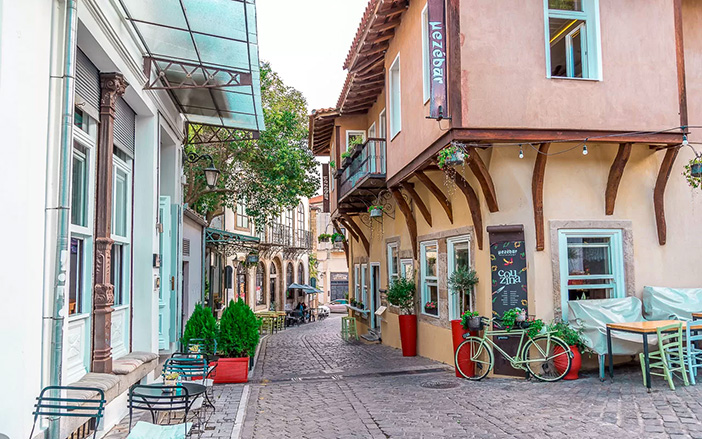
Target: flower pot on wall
{"x": 408, "y": 335}
{"x": 232, "y": 370}
{"x": 575, "y": 363}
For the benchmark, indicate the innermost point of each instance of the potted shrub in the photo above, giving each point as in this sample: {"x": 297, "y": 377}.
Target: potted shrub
{"x": 375, "y": 211}
{"x": 337, "y": 237}
{"x": 201, "y": 326}
{"x": 461, "y": 283}
{"x": 449, "y": 156}
{"x": 237, "y": 339}
{"x": 573, "y": 339}
{"x": 332, "y": 164}
{"x": 401, "y": 294}
{"x": 324, "y": 237}
{"x": 471, "y": 321}
{"x": 693, "y": 172}
{"x": 354, "y": 302}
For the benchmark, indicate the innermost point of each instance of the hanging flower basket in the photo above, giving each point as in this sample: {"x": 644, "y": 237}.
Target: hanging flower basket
{"x": 337, "y": 237}
{"x": 375, "y": 211}
{"x": 693, "y": 172}
{"x": 696, "y": 170}
{"x": 450, "y": 156}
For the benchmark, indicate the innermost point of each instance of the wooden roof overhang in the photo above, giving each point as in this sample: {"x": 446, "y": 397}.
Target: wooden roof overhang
{"x": 365, "y": 61}
{"x": 321, "y": 128}
{"x": 476, "y": 139}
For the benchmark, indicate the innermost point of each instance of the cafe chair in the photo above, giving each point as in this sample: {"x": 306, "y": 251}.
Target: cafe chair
{"x": 693, "y": 354}
{"x": 669, "y": 358}
{"x": 193, "y": 368}
{"x": 70, "y": 402}
{"x": 163, "y": 402}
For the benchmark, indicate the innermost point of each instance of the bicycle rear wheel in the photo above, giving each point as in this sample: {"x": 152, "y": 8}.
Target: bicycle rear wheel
{"x": 473, "y": 358}
{"x": 547, "y": 358}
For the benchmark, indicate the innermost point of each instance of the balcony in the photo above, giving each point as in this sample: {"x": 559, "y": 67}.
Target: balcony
{"x": 279, "y": 237}
{"x": 362, "y": 174}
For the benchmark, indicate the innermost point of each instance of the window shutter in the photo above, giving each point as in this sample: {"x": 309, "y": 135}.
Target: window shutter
{"x": 186, "y": 247}
{"x": 87, "y": 81}
{"x": 124, "y": 127}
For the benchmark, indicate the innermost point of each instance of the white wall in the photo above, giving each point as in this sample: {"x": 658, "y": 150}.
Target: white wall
{"x": 192, "y": 288}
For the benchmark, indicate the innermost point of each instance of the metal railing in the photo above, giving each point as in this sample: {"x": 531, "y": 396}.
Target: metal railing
{"x": 369, "y": 161}
{"x": 285, "y": 236}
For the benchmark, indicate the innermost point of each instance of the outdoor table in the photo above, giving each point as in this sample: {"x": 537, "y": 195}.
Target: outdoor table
{"x": 643, "y": 328}
{"x": 157, "y": 391}
{"x": 696, "y": 315}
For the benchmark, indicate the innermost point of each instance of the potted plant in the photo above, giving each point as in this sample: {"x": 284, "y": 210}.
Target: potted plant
{"x": 237, "y": 339}
{"x": 430, "y": 308}
{"x": 375, "y": 211}
{"x": 332, "y": 164}
{"x": 471, "y": 321}
{"x": 517, "y": 318}
{"x": 337, "y": 237}
{"x": 324, "y": 237}
{"x": 354, "y": 302}
{"x": 359, "y": 305}
{"x": 201, "y": 326}
{"x": 171, "y": 379}
{"x": 693, "y": 172}
{"x": 401, "y": 294}
{"x": 449, "y": 156}
{"x": 573, "y": 338}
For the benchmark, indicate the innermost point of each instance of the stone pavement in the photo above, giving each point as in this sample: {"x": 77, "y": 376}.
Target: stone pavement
{"x": 309, "y": 383}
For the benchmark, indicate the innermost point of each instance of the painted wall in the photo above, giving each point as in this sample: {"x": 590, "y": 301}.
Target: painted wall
{"x": 192, "y": 280}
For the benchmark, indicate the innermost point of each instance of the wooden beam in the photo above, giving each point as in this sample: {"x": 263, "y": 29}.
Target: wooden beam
{"x": 348, "y": 228}
{"x": 358, "y": 231}
{"x": 409, "y": 187}
{"x": 407, "y": 212}
{"x": 481, "y": 172}
{"x": 680, "y": 62}
{"x": 368, "y": 63}
{"x": 473, "y": 205}
{"x": 659, "y": 192}
{"x": 380, "y": 38}
{"x": 537, "y": 193}
{"x": 377, "y": 49}
{"x": 440, "y": 197}
{"x": 392, "y": 24}
{"x": 615, "y": 176}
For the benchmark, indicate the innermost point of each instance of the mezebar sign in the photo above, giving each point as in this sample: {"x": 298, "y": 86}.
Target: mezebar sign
{"x": 436, "y": 12}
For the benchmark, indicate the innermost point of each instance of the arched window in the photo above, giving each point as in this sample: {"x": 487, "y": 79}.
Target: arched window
{"x": 289, "y": 279}
{"x": 241, "y": 284}
{"x": 272, "y": 281}
{"x": 260, "y": 270}
{"x": 273, "y": 268}
{"x": 301, "y": 274}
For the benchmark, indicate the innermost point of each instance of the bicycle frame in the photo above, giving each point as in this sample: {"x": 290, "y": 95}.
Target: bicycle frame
{"x": 515, "y": 361}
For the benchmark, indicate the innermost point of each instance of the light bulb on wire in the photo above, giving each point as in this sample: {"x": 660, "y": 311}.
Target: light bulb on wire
{"x": 584, "y": 148}
{"x": 521, "y": 152}
{"x": 685, "y": 142}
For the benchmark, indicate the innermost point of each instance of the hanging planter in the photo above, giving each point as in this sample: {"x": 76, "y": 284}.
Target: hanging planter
{"x": 693, "y": 172}
{"x": 450, "y": 156}
{"x": 337, "y": 237}
{"x": 375, "y": 211}
{"x": 324, "y": 237}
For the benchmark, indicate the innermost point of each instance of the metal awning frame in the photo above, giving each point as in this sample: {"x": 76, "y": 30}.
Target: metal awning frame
{"x": 201, "y": 134}
{"x": 229, "y": 243}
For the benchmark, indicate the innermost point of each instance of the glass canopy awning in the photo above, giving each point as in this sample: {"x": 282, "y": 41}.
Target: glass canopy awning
{"x": 205, "y": 53}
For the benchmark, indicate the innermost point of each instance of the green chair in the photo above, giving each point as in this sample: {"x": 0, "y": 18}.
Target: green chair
{"x": 669, "y": 358}
{"x": 348, "y": 328}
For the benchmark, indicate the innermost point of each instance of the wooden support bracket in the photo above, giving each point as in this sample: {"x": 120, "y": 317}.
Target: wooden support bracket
{"x": 407, "y": 212}
{"x": 615, "y": 176}
{"x": 476, "y": 164}
{"x": 351, "y": 223}
{"x": 409, "y": 187}
{"x": 473, "y": 204}
{"x": 440, "y": 197}
{"x": 345, "y": 243}
{"x": 537, "y": 193}
{"x": 659, "y": 192}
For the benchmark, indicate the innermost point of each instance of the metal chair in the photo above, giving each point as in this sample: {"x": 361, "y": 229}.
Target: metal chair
{"x": 199, "y": 346}
{"x": 670, "y": 355}
{"x": 157, "y": 400}
{"x": 191, "y": 367}
{"x": 693, "y": 353}
{"x": 51, "y": 402}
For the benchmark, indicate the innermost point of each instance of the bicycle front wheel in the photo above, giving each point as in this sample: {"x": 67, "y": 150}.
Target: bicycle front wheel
{"x": 473, "y": 358}
{"x": 547, "y": 358}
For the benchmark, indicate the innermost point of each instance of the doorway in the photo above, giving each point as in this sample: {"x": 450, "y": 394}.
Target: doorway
{"x": 375, "y": 295}
{"x": 459, "y": 257}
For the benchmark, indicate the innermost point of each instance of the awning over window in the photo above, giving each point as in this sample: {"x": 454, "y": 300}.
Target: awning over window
{"x": 205, "y": 53}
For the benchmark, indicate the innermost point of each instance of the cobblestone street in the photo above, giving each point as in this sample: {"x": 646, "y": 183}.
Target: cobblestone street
{"x": 308, "y": 383}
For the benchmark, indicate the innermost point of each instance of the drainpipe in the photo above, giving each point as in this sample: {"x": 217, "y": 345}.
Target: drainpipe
{"x": 57, "y": 252}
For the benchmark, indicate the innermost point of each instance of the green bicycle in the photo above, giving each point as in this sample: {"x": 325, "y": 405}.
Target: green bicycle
{"x": 545, "y": 356}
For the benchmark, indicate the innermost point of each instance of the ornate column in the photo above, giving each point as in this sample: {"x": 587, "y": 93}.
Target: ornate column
{"x": 112, "y": 86}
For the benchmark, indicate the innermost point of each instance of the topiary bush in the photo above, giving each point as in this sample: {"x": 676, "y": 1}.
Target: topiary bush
{"x": 201, "y": 325}
{"x": 401, "y": 294}
{"x": 238, "y": 331}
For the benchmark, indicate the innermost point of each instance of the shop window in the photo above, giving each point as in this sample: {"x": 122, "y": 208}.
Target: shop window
{"x": 572, "y": 39}
{"x": 117, "y": 273}
{"x": 591, "y": 265}
{"x": 394, "y": 99}
{"x": 430, "y": 278}
{"x": 356, "y": 283}
{"x": 458, "y": 249}
{"x": 121, "y": 222}
{"x": 393, "y": 262}
{"x": 77, "y": 267}
{"x": 79, "y": 196}
{"x": 426, "y": 73}
{"x": 260, "y": 299}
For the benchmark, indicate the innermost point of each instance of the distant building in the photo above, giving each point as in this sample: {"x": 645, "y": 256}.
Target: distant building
{"x": 332, "y": 268}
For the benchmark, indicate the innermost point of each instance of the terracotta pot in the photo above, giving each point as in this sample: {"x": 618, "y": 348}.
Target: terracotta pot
{"x": 232, "y": 370}
{"x": 408, "y": 335}
{"x": 575, "y": 362}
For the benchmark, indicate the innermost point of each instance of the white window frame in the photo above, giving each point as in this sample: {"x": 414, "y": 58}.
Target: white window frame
{"x": 352, "y": 133}
{"x": 426, "y": 71}
{"x": 617, "y": 285}
{"x": 356, "y": 275}
{"x": 592, "y": 52}
{"x": 124, "y": 241}
{"x": 383, "y": 127}
{"x": 407, "y": 268}
{"x": 372, "y": 131}
{"x": 242, "y": 220}
{"x": 364, "y": 286}
{"x": 393, "y": 272}
{"x": 395, "y": 109}
{"x": 454, "y": 305}
{"x": 426, "y": 281}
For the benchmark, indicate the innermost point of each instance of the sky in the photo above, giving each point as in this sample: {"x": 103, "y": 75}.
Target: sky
{"x": 306, "y": 42}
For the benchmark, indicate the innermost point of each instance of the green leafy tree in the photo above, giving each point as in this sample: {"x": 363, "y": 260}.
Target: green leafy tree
{"x": 401, "y": 294}
{"x": 201, "y": 325}
{"x": 238, "y": 331}
{"x": 268, "y": 175}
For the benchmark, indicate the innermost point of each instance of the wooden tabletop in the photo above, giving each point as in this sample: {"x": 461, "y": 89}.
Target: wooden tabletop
{"x": 648, "y": 327}
{"x": 697, "y": 315}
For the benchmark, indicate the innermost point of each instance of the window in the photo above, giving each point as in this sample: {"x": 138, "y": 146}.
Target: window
{"x": 591, "y": 265}
{"x": 354, "y": 137}
{"x": 120, "y": 209}
{"x": 430, "y": 278}
{"x": 242, "y": 220}
{"x": 407, "y": 268}
{"x": 364, "y": 288}
{"x": 260, "y": 269}
{"x": 426, "y": 73}
{"x": 356, "y": 284}
{"x": 117, "y": 273}
{"x": 394, "y": 98}
{"x": 75, "y": 290}
{"x": 393, "y": 263}
{"x": 458, "y": 257}
{"x": 572, "y": 41}
{"x": 79, "y": 196}
{"x": 289, "y": 219}
{"x": 301, "y": 219}
{"x": 121, "y": 222}
{"x": 84, "y": 122}
{"x": 301, "y": 274}
{"x": 372, "y": 132}
{"x": 382, "y": 125}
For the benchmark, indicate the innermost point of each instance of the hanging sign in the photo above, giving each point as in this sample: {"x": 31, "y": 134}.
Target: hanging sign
{"x": 436, "y": 32}
{"x": 325, "y": 187}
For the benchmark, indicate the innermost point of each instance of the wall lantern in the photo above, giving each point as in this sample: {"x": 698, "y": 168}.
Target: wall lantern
{"x": 211, "y": 173}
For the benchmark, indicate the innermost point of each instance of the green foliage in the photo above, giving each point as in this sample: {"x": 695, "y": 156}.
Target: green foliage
{"x": 345, "y": 155}
{"x": 401, "y": 294}
{"x": 535, "y": 327}
{"x": 201, "y": 324}
{"x": 238, "y": 331}
{"x": 466, "y": 316}
{"x": 324, "y": 237}
{"x": 568, "y": 334}
{"x": 373, "y": 206}
{"x": 358, "y": 140}
{"x": 509, "y": 318}
{"x": 332, "y": 164}
{"x": 338, "y": 237}
{"x": 270, "y": 174}
{"x": 694, "y": 181}
{"x": 446, "y": 154}
{"x": 463, "y": 279}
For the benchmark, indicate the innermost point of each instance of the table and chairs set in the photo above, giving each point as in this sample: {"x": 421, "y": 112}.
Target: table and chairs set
{"x": 275, "y": 321}
{"x": 180, "y": 402}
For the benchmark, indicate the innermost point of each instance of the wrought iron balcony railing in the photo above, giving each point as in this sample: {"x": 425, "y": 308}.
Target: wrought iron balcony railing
{"x": 367, "y": 162}
{"x": 284, "y": 236}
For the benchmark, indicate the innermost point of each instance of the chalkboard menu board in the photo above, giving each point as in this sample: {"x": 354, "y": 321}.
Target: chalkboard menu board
{"x": 509, "y": 271}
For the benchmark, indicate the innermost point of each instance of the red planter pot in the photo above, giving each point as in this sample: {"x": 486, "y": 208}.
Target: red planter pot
{"x": 575, "y": 363}
{"x": 408, "y": 335}
{"x": 457, "y": 333}
{"x": 232, "y": 370}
